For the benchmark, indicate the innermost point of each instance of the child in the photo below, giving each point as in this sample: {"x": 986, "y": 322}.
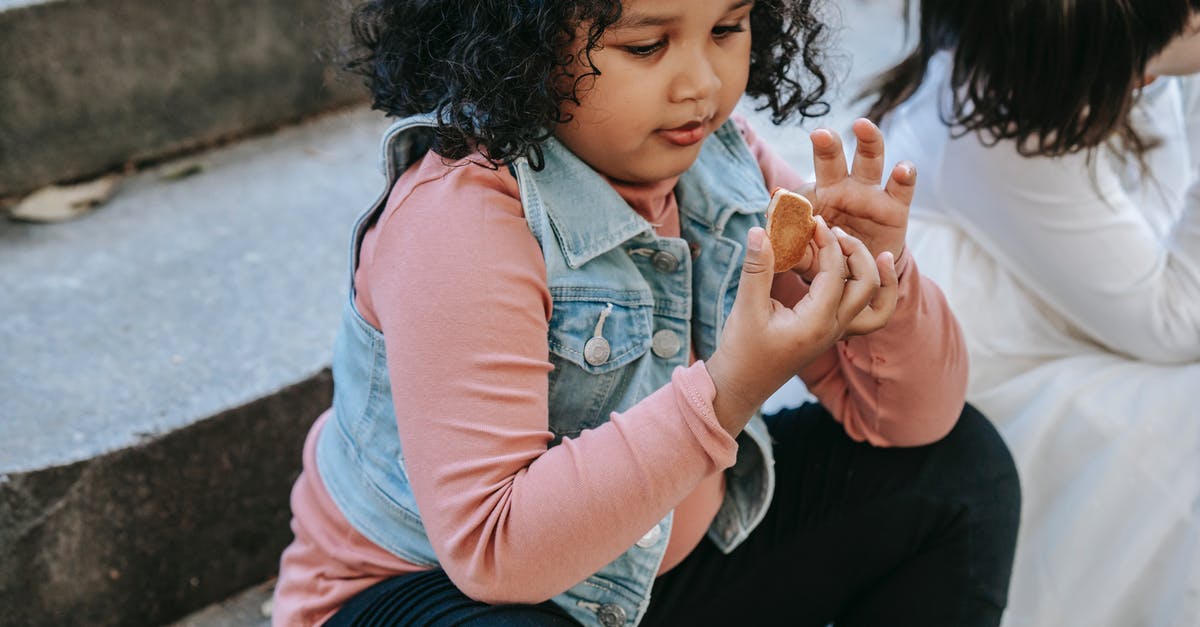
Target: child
{"x": 1063, "y": 221}
{"x": 563, "y": 322}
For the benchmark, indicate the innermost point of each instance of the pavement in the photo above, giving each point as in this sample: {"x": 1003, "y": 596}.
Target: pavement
{"x": 202, "y": 265}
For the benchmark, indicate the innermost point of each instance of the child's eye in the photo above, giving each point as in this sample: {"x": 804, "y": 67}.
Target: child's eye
{"x": 645, "y": 50}
{"x": 720, "y": 31}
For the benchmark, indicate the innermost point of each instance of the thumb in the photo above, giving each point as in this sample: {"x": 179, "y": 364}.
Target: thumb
{"x": 758, "y": 270}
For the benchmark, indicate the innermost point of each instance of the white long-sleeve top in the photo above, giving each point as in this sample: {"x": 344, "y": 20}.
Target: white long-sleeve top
{"x": 1077, "y": 287}
{"x": 1110, "y": 255}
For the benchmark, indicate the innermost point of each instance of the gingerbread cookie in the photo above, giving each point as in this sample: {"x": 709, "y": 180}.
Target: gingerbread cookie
{"x": 790, "y": 226}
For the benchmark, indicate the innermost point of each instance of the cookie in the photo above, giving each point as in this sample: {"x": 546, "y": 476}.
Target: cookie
{"x": 790, "y": 226}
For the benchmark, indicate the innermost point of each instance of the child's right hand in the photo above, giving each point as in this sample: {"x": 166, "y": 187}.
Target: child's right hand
{"x": 765, "y": 343}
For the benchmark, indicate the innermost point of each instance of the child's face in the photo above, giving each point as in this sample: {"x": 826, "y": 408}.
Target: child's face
{"x": 671, "y": 73}
{"x": 1182, "y": 56}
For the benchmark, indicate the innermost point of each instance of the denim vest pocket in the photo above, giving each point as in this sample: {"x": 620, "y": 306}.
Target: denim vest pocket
{"x": 587, "y": 381}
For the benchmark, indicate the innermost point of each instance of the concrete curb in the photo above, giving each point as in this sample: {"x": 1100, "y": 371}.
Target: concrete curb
{"x": 88, "y": 85}
{"x": 147, "y": 534}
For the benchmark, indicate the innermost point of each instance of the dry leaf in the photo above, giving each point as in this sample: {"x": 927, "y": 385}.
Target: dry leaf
{"x": 59, "y": 203}
{"x": 181, "y": 171}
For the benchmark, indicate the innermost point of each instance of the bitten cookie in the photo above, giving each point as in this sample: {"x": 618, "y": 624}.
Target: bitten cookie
{"x": 790, "y": 226}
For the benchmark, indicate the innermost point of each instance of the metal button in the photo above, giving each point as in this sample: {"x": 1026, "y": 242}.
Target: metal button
{"x": 666, "y": 343}
{"x": 611, "y": 615}
{"x": 596, "y": 351}
{"x": 651, "y": 538}
{"x": 664, "y": 262}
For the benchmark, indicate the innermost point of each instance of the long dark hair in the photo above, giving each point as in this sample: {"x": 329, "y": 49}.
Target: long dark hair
{"x": 492, "y": 69}
{"x": 1056, "y": 76}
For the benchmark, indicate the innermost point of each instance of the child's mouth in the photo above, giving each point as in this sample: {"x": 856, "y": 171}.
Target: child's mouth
{"x": 685, "y": 135}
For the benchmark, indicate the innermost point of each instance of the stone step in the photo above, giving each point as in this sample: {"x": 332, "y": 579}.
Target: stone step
{"x": 89, "y": 85}
{"x": 248, "y": 608}
{"x": 162, "y": 358}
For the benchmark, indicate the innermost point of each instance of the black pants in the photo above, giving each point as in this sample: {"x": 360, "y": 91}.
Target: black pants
{"x": 855, "y": 536}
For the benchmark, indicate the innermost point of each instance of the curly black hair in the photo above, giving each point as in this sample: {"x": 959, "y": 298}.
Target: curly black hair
{"x": 491, "y": 69}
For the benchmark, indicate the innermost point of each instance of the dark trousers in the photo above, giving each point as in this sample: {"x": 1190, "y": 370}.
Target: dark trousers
{"x": 855, "y": 536}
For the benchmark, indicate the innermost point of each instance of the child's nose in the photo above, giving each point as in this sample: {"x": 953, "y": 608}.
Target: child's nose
{"x": 696, "y": 78}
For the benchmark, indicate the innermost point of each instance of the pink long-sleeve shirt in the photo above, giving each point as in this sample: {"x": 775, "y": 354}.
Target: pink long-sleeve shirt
{"x": 455, "y": 280}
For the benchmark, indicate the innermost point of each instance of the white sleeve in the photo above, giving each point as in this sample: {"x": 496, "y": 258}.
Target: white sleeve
{"x": 1189, "y": 87}
{"x": 1071, "y": 234}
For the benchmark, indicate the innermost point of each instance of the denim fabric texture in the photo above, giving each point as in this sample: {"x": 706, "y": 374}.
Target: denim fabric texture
{"x": 610, "y": 276}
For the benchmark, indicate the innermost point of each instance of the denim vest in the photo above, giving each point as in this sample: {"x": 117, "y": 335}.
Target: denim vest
{"x": 628, "y": 306}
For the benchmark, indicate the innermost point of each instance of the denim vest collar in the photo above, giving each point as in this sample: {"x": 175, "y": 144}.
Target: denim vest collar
{"x": 585, "y": 230}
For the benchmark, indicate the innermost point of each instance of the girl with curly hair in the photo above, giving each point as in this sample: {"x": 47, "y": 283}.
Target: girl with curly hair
{"x": 1061, "y": 141}
{"x": 563, "y": 320}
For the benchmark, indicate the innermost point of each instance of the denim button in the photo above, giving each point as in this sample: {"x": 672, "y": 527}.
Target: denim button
{"x": 611, "y": 615}
{"x": 651, "y": 538}
{"x": 666, "y": 343}
{"x": 664, "y": 262}
{"x": 596, "y": 351}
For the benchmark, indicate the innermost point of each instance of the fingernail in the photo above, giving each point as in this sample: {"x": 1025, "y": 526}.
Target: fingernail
{"x": 888, "y": 257}
{"x": 821, "y": 221}
{"x": 754, "y": 239}
{"x": 838, "y": 230}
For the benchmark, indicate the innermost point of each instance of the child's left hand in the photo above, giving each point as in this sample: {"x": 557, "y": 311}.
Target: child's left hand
{"x": 853, "y": 199}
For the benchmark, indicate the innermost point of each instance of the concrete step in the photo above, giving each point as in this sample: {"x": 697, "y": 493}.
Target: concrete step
{"x": 249, "y": 608}
{"x": 89, "y": 85}
{"x": 162, "y": 358}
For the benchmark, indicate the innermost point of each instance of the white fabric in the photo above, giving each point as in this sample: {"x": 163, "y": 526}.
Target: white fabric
{"x": 1078, "y": 288}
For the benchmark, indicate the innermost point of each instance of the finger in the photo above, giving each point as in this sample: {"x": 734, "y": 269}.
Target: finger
{"x": 868, "y": 153}
{"x": 830, "y": 258}
{"x": 825, "y": 289}
{"x": 880, "y": 311}
{"x": 758, "y": 271}
{"x": 809, "y": 191}
{"x": 889, "y": 285}
{"x": 807, "y": 266}
{"x": 903, "y": 182}
{"x": 829, "y": 162}
{"x": 864, "y": 281}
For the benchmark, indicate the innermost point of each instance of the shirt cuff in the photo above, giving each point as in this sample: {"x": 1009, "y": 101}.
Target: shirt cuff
{"x": 696, "y": 395}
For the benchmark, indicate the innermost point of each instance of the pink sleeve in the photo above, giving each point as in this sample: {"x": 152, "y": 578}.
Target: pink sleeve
{"x": 903, "y": 385}
{"x": 459, "y": 288}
